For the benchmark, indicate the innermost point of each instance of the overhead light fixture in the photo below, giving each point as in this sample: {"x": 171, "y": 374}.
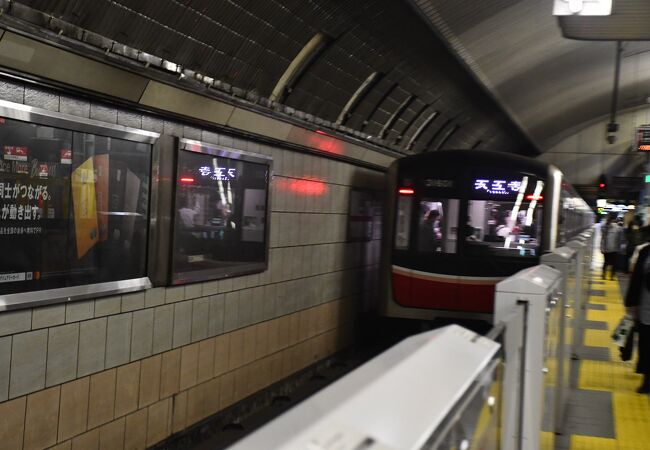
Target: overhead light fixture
{"x": 582, "y": 7}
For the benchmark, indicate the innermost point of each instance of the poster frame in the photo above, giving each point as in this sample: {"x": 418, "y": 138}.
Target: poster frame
{"x": 161, "y": 250}
{"x": 72, "y": 123}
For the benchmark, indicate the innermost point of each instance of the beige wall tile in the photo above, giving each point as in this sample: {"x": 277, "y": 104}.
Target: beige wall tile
{"x": 149, "y": 380}
{"x": 87, "y": 441}
{"x": 250, "y": 334}
{"x": 127, "y": 389}
{"x": 41, "y": 418}
{"x": 111, "y": 435}
{"x": 289, "y": 363}
{"x": 135, "y": 430}
{"x": 284, "y": 326}
{"x": 212, "y": 396}
{"x": 221, "y": 354}
{"x": 159, "y": 421}
{"x": 273, "y": 330}
{"x": 259, "y": 378}
{"x": 67, "y": 445}
{"x": 294, "y": 328}
{"x": 195, "y": 404}
{"x": 236, "y": 355}
{"x": 179, "y": 412}
{"x": 101, "y": 408}
{"x": 189, "y": 365}
{"x": 206, "y": 360}
{"x": 73, "y": 415}
{"x": 227, "y": 387}
{"x": 170, "y": 373}
{"x": 276, "y": 367}
{"x": 241, "y": 383}
{"x": 262, "y": 340}
{"x": 12, "y": 422}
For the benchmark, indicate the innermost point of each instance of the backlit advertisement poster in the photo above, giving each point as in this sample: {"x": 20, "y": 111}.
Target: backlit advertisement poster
{"x": 66, "y": 217}
{"x": 220, "y": 217}
{"x": 85, "y": 207}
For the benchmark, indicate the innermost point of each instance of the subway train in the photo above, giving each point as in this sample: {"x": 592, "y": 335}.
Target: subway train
{"x": 458, "y": 221}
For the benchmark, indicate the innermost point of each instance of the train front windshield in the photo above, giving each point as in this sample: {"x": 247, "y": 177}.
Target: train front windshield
{"x": 503, "y": 228}
{"x": 501, "y": 216}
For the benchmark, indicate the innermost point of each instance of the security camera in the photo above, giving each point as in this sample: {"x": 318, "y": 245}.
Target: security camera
{"x": 612, "y": 128}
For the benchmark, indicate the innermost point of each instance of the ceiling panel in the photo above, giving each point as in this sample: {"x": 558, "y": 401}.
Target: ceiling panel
{"x": 547, "y": 83}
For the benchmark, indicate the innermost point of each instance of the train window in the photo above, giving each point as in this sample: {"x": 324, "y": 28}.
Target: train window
{"x": 403, "y": 222}
{"x": 503, "y": 228}
{"x": 438, "y": 222}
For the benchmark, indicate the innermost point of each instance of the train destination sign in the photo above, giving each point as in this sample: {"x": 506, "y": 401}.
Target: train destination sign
{"x": 643, "y": 138}
{"x": 497, "y": 186}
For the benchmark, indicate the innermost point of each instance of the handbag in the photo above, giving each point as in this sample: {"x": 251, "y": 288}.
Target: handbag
{"x": 623, "y": 331}
{"x": 628, "y": 348}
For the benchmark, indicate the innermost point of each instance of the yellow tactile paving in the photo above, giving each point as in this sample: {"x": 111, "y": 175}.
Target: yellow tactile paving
{"x": 548, "y": 440}
{"x": 608, "y": 376}
{"x": 592, "y": 443}
{"x": 597, "y": 338}
{"x": 631, "y": 410}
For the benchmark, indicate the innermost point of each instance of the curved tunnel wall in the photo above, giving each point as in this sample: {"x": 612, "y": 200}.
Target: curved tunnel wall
{"x": 249, "y": 48}
{"x": 583, "y": 154}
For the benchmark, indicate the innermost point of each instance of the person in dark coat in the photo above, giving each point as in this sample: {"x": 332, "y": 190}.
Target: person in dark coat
{"x": 637, "y": 303}
{"x": 633, "y": 237}
{"x": 610, "y": 244}
{"x": 429, "y": 239}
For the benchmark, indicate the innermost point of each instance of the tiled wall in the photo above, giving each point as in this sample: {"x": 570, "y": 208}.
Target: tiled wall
{"x": 127, "y": 371}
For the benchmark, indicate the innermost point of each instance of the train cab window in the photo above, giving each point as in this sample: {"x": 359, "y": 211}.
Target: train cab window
{"x": 503, "y": 228}
{"x": 437, "y": 226}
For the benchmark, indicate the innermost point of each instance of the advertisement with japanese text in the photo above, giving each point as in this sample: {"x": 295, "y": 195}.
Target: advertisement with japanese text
{"x": 73, "y": 207}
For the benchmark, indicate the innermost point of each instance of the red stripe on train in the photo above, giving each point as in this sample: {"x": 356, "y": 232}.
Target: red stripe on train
{"x": 413, "y": 292}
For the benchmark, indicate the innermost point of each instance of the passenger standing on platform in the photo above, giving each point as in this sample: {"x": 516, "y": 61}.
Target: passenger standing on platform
{"x": 637, "y": 303}
{"x": 610, "y": 244}
{"x": 633, "y": 237}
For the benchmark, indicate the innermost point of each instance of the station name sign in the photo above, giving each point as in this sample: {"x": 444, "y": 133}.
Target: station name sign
{"x": 643, "y": 138}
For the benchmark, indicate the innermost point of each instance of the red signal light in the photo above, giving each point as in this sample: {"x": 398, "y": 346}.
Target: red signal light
{"x": 539, "y": 198}
{"x": 406, "y": 191}
{"x": 601, "y": 185}
{"x": 187, "y": 180}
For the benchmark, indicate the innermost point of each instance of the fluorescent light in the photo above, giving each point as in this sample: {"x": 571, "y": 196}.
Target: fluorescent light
{"x": 582, "y": 7}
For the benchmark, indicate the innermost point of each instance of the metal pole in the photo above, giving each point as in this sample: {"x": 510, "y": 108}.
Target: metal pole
{"x": 617, "y": 75}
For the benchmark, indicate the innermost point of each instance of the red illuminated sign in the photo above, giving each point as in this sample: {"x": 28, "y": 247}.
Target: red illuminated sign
{"x": 535, "y": 197}
{"x": 187, "y": 180}
{"x": 406, "y": 191}
{"x": 12, "y": 153}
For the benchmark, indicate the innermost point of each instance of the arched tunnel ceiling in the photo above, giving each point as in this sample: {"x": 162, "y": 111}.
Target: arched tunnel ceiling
{"x": 421, "y": 98}
{"x": 550, "y": 85}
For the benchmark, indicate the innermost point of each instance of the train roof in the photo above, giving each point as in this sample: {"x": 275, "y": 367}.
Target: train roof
{"x": 475, "y": 158}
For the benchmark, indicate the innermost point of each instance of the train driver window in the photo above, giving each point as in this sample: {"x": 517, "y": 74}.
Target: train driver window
{"x": 503, "y": 228}
{"x": 437, "y": 225}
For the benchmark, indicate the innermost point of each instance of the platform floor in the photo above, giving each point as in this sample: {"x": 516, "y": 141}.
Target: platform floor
{"x": 604, "y": 411}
